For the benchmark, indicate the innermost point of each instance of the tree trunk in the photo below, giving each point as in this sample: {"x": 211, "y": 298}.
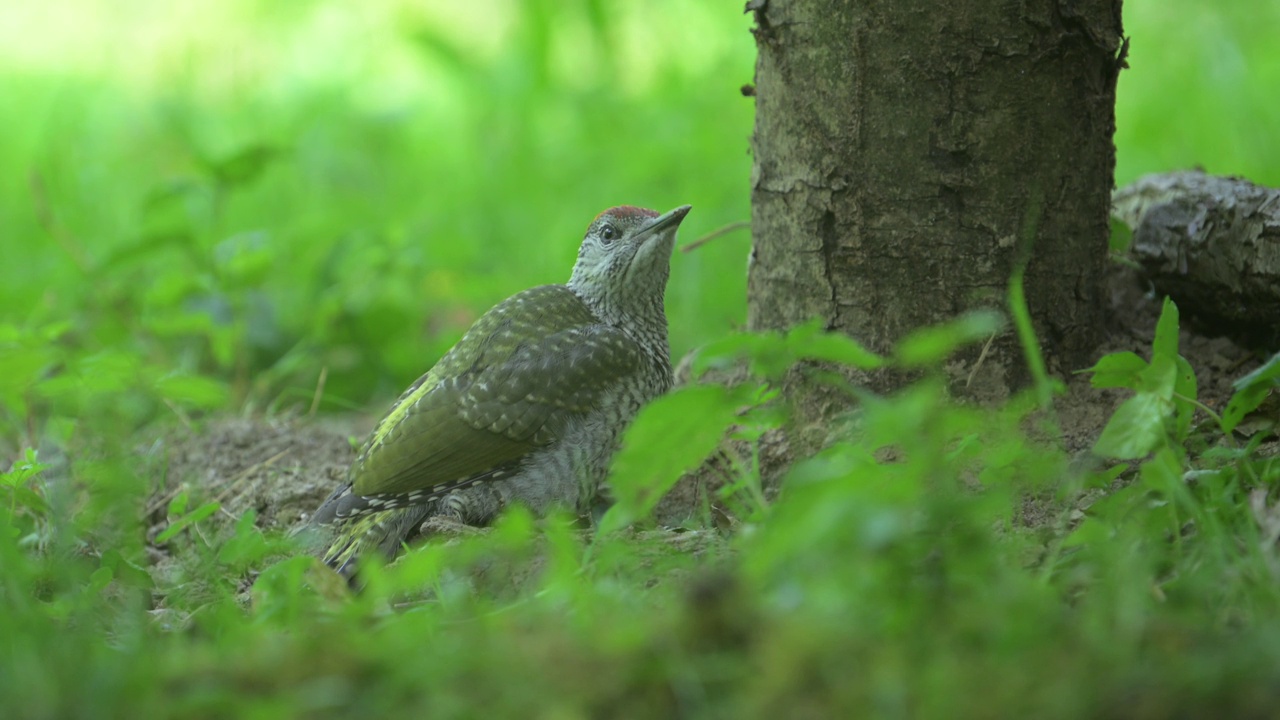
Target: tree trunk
{"x": 904, "y": 149}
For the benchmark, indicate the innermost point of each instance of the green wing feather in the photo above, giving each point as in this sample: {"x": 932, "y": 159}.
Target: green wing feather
{"x": 512, "y": 384}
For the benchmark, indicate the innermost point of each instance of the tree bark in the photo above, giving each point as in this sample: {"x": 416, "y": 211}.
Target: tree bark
{"x": 905, "y": 148}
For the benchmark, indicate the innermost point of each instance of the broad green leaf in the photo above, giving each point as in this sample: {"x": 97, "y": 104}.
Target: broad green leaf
{"x": 770, "y": 354}
{"x": 727, "y": 350}
{"x": 932, "y": 345}
{"x": 1120, "y": 369}
{"x": 1160, "y": 377}
{"x": 1136, "y": 428}
{"x": 832, "y": 347}
{"x": 671, "y": 435}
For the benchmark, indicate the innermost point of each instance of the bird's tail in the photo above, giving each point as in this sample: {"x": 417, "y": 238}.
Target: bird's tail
{"x": 376, "y": 533}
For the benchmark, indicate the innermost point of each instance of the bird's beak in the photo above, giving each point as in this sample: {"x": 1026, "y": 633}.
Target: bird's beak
{"x": 669, "y": 220}
{"x": 656, "y": 239}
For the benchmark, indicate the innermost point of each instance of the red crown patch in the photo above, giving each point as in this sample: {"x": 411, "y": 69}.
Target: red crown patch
{"x": 623, "y": 211}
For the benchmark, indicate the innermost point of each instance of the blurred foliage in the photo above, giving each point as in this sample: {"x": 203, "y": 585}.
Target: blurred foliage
{"x": 245, "y": 206}
{"x": 1197, "y": 91}
{"x": 255, "y": 191}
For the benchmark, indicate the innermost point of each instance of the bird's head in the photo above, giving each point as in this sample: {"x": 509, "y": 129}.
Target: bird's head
{"x": 625, "y": 258}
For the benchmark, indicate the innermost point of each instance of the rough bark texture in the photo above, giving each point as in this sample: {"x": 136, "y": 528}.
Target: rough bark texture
{"x": 900, "y": 148}
{"x": 1213, "y": 245}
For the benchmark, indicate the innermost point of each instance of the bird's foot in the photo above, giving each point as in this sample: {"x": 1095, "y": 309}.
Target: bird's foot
{"x": 446, "y": 526}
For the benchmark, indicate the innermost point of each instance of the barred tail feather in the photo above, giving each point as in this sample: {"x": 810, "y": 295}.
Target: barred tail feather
{"x": 373, "y": 533}
{"x": 364, "y": 524}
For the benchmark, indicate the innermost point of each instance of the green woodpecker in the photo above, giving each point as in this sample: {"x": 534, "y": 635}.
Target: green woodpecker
{"x": 528, "y": 407}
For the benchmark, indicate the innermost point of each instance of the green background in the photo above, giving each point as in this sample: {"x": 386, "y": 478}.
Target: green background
{"x": 257, "y": 192}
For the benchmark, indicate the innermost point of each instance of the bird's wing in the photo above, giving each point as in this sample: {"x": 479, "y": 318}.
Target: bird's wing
{"x": 514, "y": 383}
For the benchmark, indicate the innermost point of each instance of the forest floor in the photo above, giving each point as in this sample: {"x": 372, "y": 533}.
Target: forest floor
{"x": 282, "y": 467}
{"x": 1146, "y": 592}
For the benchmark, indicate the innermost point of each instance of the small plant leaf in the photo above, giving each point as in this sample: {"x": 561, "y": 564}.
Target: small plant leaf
{"x": 1121, "y": 237}
{"x": 1160, "y": 377}
{"x": 186, "y": 521}
{"x": 1136, "y": 428}
{"x": 1251, "y": 390}
{"x": 1116, "y": 370}
{"x": 1184, "y": 385}
{"x": 1166, "y": 342}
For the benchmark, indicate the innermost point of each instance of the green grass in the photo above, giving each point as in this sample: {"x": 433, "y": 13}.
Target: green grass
{"x": 207, "y": 207}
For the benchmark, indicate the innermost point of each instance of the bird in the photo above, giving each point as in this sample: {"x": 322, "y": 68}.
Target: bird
{"x": 527, "y": 408}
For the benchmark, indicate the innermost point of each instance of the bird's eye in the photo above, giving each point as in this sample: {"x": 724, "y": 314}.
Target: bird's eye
{"x": 608, "y": 233}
